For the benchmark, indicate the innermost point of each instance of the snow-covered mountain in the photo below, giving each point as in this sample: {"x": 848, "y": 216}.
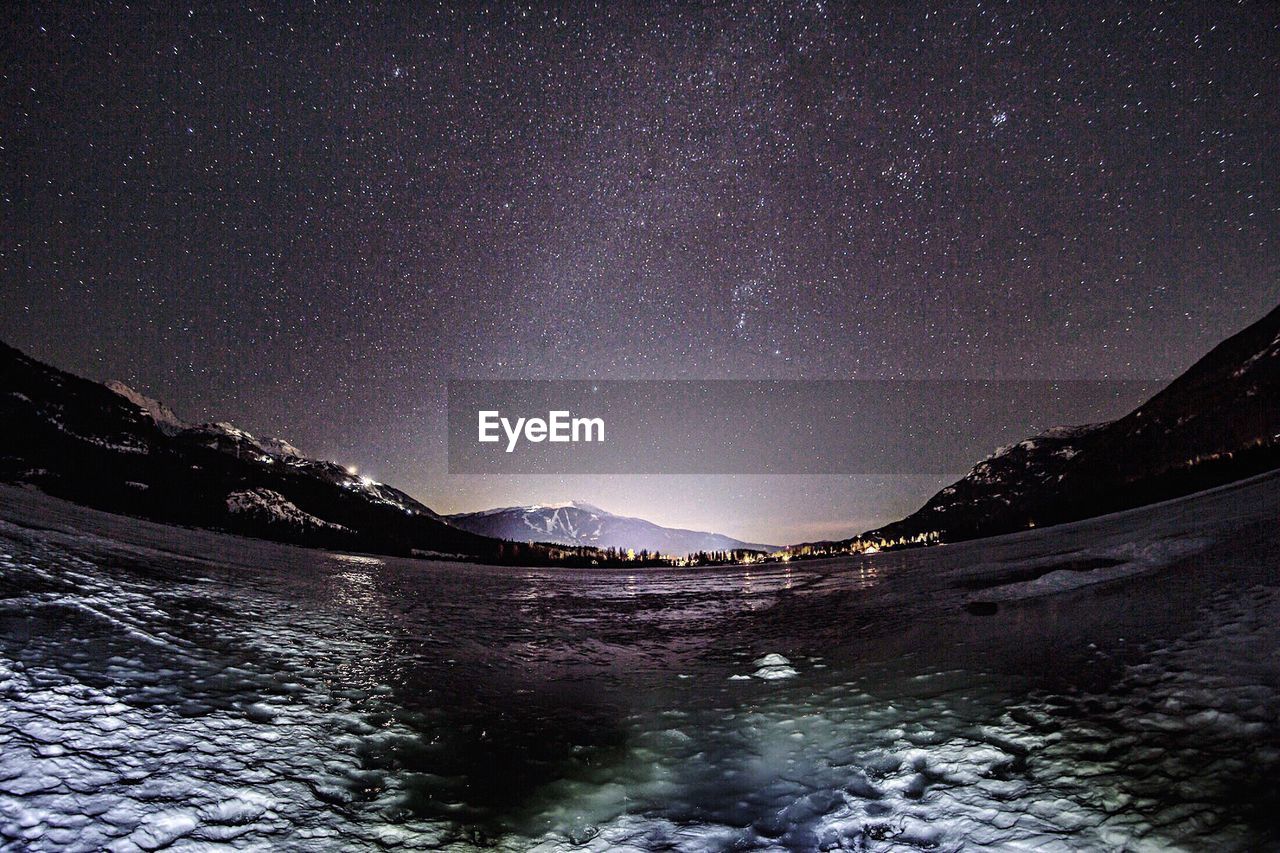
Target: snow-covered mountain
{"x": 580, "y": 523}
{"x": 215, "y": 434}
{"x": 999, "y": 486}
{"x": 114, "y": 448}
{"x": 163, "y": 416}
{"x": 228, "y": 438}
{"x": 1217, "y": 422}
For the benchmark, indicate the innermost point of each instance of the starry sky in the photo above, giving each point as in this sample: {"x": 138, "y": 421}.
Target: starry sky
{"x": 308, "y": 219}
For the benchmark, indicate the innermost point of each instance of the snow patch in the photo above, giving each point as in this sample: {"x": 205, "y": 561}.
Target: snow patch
{"x": 774, "y": 666}
{"x": 271, "y": 506}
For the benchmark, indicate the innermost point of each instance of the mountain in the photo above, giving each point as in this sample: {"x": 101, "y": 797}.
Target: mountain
{"x": 578, "y": 523}
{"x": 1217, "y": 422}
{"x": 161, "y": 415}
{"x": 112, "y": 448}
{"x": 1002, "y": 486}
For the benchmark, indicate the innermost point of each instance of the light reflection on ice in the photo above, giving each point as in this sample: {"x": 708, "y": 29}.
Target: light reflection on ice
{"x": 358, "y": 560}
{"x": 956, "y": 763}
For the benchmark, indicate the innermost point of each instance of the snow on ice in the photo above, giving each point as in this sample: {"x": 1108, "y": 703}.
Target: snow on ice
{"x": 166, "y": 688}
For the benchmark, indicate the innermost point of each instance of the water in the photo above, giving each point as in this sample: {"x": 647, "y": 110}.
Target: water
{"x": 1109, "y": 685}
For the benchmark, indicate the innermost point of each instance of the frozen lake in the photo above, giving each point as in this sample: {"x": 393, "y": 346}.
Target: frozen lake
{"x": 1112, "y": 684}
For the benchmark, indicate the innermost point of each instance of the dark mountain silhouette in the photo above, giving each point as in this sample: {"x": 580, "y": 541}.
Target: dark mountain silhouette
{"x": 113, "y": 449}
{"x": 1217, "y": 422}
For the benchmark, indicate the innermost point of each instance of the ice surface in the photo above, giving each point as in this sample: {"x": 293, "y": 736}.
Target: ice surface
{"x": 176, "y": 689}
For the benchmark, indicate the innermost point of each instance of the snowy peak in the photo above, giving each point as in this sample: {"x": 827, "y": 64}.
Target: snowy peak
{"x": 1037, "y": 458}
{"x": 582, "y": 505}
{"x": 227, "y": 436}
{"x": 279, "y": 447}
{"x": 1056, "y": 439}
{"x": 164, "y": 417}
{"x": 170, "y": 424}
{"x": 582, "y": 523}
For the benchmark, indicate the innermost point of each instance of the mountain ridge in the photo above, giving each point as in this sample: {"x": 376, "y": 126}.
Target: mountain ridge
{"x": 1215, "y": 422}
{"x": 113, "y": 448}
{"x": 109, "y": 446}
{"x": 583, "y": 523}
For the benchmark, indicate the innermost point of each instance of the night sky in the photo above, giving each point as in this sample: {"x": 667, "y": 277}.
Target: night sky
{"x": 307, "y": 221}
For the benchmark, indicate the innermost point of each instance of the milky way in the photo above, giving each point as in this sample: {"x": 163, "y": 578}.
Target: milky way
{"x": 309, "y": 220}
